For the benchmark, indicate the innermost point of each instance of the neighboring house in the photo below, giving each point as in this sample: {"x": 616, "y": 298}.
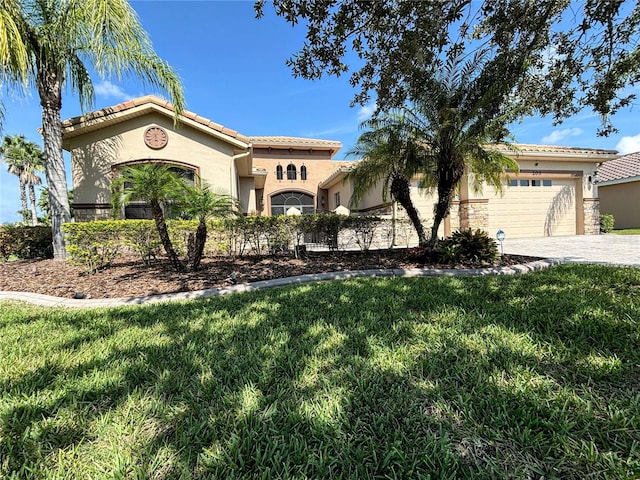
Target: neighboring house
{"x": 552, "y": 195}
{"x": 618, "y": 184}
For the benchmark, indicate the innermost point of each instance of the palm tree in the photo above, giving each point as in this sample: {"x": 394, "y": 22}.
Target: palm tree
{"x": 155, "y": 184}
{"x": 202, "y": 204}
{"x": 458, "y": 122}
{"x": 24, "y": 159}
{"x": 32, "y": 179}
{"x": 391, "y": 155}
{"x": 14, "y": 58}
{"x": 51, "y": 41}
{"x": 13, "y": 154}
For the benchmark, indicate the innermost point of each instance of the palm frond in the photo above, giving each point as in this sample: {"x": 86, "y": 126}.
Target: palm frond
{"x": 14, "y": 53}
{"x": 202, "y": 203}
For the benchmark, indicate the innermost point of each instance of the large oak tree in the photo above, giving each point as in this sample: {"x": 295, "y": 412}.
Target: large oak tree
{"x": 568, "y": 54}
{"x": 552, "y": 57}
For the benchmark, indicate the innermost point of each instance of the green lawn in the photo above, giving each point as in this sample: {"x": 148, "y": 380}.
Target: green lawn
{"x": 530, "y": 376}
{"x": 627, "y": 231}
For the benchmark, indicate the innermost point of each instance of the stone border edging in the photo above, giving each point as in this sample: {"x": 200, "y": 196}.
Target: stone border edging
{"x": 51, "y": 301}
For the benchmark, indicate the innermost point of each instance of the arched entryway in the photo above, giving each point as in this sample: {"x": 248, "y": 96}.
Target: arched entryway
{"x": 283, "y": 201}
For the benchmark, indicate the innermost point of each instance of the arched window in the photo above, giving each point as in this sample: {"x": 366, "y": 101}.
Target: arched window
{"x": 282, "y": 202}
{"x": 279, "y": 172}
{"x": 291, "y": 172}
{"x": 303, "y": 172}
{"x": 138, "y": 209}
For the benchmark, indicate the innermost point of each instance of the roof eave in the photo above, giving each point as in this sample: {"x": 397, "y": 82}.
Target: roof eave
{"x": 618, "y": 181}
{"x": 77, "y": 126}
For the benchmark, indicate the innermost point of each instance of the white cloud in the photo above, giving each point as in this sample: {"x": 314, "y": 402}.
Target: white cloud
{"x": 365, "y": 112}
{"x": 559, "y": 135}
{"x": 629, "y": 145}
{"x": 109, "y": 90}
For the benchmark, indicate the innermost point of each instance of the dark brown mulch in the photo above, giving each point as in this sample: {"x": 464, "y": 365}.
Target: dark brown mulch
{"x": 130, "y": 278}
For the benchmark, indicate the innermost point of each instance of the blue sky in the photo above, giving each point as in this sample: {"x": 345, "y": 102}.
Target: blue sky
{"x": 233, "y": 71}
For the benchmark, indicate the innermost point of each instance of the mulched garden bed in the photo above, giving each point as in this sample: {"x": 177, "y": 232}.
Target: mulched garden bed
{"x": 128, "y": 277}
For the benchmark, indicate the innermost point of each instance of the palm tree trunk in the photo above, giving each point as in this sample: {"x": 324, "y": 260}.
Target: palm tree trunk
{"x": 450, "y": 177}
{"x": 50, "y": 89}
{"x": 32, "y": 198}
{"x": 163, "y": 232}
{"x": 402, "y": 193}
{"x": 23, "y": 199}
{"x": 440, "y": 212}
{"x": 196, "y": 246}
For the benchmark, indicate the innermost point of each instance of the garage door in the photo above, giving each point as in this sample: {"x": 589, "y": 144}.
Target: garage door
{"x": 535, "y": 208}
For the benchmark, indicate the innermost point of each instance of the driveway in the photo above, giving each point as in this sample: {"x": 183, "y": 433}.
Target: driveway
{"x": 608, "y": 248}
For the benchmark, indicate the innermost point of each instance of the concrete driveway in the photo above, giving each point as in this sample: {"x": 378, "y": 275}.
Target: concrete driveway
{"x": 607, "y": 248}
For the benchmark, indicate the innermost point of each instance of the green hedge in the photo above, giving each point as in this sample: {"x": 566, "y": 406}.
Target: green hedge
{"x": 96, "y": 244}
{"x": 25, "y": 242}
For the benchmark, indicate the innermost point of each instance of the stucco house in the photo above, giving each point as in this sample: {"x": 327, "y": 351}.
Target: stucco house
{"x": 553, "y": 194}
{"x": 618, "y": 183}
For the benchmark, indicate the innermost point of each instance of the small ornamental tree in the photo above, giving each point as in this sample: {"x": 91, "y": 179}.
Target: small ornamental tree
{"x": 202, "y": 204}
{"x": 155, "y": 184}
{"x": 391, "y": 157}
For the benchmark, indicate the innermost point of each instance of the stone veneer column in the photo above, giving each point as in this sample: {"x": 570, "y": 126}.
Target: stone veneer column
{"x": 591, "y": 208}
{"x": 452, "y": 222}
{"x": 474, "y": 214}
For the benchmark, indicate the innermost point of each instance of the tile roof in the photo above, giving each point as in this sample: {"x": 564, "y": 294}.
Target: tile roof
{"x": 343, "y": 167}
{"x": 293, "y": 141}
{"x": 627, "y": 166}
{"x": 151, "y": 100}
{"x": 123, "y": 107}
{"x": 530, "y": 148}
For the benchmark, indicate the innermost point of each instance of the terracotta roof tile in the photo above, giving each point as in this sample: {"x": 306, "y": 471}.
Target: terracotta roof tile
{"x": 627, "y": 166}
{"x": 228, "y": 131}
{"x": 343, "y": 167}
{"x": 151, "y": 99}
{"x": 524, "y": 147}
{"x": 298, "y": 141}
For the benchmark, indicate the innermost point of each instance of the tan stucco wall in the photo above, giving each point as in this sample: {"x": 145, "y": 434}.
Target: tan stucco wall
{"x": 95, "y": 153}
{"x": 623, "y": 202}
{"x": 247, "y": 195}
{"x": 318, "y": 163}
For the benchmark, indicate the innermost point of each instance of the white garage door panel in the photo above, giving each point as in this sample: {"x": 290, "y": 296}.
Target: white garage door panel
{"x": 527, "y": 211}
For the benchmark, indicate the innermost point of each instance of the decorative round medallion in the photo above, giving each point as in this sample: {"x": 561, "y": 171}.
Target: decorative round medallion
{"x": 155, "y": 137}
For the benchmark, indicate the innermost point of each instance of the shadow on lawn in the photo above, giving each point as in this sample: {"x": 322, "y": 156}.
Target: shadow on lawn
{"x": 448, "y": 377}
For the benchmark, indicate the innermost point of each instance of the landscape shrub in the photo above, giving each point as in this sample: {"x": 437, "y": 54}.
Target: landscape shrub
{"x": 219, "y": 238}
{"x": 364, "y": 230}
{"x": 142, "y": 237}
{"x": 179, "y": 231}
{"x": 25, "y": 242}
{"x": 96, "y": 244}
{"x": 606, "y": 223}
{"x": 468, "y": 246}
{"x": 327, "y": 228}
